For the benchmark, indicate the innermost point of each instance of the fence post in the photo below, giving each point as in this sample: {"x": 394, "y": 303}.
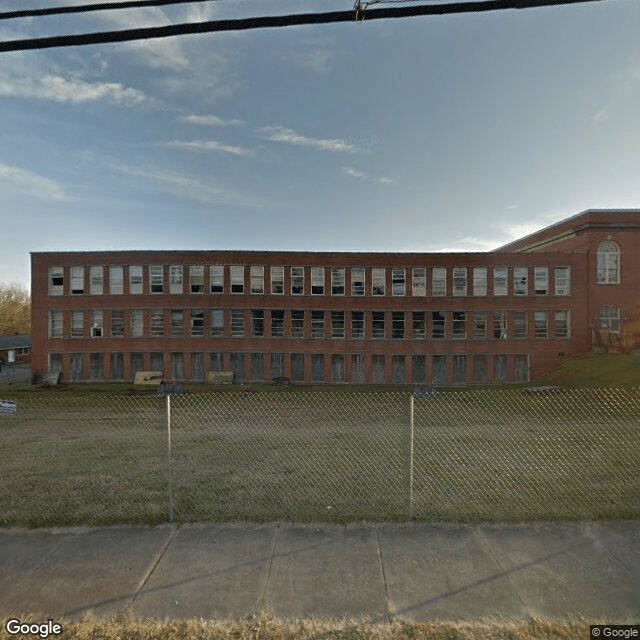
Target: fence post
{"x": 409, "y": 476}
{"x": 169, "y": 457}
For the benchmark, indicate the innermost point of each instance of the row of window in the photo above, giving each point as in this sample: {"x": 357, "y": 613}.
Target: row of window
{"x": 256, "y": 323}
{"x": 376, "y": 368}
{"x": 459, "y": 281}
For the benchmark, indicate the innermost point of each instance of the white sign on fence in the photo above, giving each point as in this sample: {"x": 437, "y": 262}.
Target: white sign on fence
{"x": 8, "y": 406}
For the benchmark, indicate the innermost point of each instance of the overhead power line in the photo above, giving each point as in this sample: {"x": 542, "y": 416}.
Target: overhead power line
{"x": 264, "y": 22}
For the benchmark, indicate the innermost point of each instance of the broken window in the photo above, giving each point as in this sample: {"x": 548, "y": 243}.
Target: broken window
{"x": 297, "y": 281}
{"x": 117, "y": 323}
{"x": 317, "y": 281}
{"x": 357, "y": 325}
{"x": 277, "y": 280}
{"x": 500, "y": 275}
{"x": 520, "y": 284}
{"x": 277, "y": 365}
{"x": 419, "y": 281}
{"x": 397, "y": 324}
{"x": 55, "y": 324}
{"x": 610, "y": 319}
{"x": 419, "y": 325}
{"x": 398, "y": 281}
{"x": 608, "y": 263}
{"x": 540, "y": 323}
{"x": 216, "y": 278}
{"x": 500, "y": 325}
{"x": 317, "y": 324}
{"x": 459, "y": 326}
{"x": 479, "y": 325}
{"x": 216, "y": 327}
{"x": 337, "y": 281}
{"x": 437, "y": 325}
{"x": 257, "y": 323}
{"x": 135, "y": 278}
{"x": 157, "y": 322}
{"x": 378, "y": 281}
{"x": 357, "y": 281}
{"x": 459, "y": 281}
{"x": 237, "y": 323}
{"x": 377, "y": 324}
{"x": 177, "y": 322}
{"x": 196, "y": 278}
{"x": 520, "y": 324}
{"x": 176, "y": 279}
{"x": 197, "y": 366}
{"x": 480, "y": 281}
{"x": 96, "y": 280}
{"x": 77, "y": 324}
{"x": 277, "y": 323}
{"x": 563, "y": 281}
{"x": 337, "y": 324}
{"x": 257, "y": 279}
{"x": 56, "y": 281}
{"x": 562, "y": 324}
{"x": 439, "y": 281}
{"x": 197, "y": 322}
{"x": 156, "y": 279}
{"x": 541, "y": 281}
{"x": 136, "y": 323}
{"x": 76, "y": 279}
{"x": 297, "y": 324}
{"x": 97, "y": 323}
{"x": 237, "y": 278}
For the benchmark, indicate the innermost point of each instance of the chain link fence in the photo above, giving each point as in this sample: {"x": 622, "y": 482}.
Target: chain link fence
{"x": 326, "y": 456}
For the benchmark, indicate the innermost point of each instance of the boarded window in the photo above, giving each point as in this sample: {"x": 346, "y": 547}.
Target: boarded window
{"x": 56, "y": 281}
{"x": 398, "y": 281}
{"x": 317, "y": 281}
{"x": 437, "y": 325}
{"x": 237, "y": 279}
{"x": 418, "y": 368}
{"x": 337, "y": 324}
{"x": 177, "y": 366}
{"x": 237, "y": 323}
{"x": 378, "y": 281}
{"x": 257, "y": 323}
{"x": 297, "y": 367}
{"x": 157, "y": 361}
{"x": 608, "y": 263}
{"x": 277, "y": 323}
{"x": 317, "y": 367}
{"x": 77, "y": 367}
{"x": 55, "y": 324}
{"x": 357, "y": 325}
{"x": 459, "y": 326}
{"x": 563, "y": 281}
{"x": 520, "y": 281}
{"x": 216, "y": 361}
{"x": 135, "y": 279}
{"x": 95, "y": 366}
{"x": 398, "y": 370}
{"x": 377, "y": 324}
{"x": 277, "y": 280}
{"x": 257, "y": 279}
{"x": 357, "y": 369}
{"x": 357, "y": 281}
{"x": 96, "y": 280}
{"x": 277, "y": 365}
{"x": 137, "y": 328}
{"x": 257, "y": 366}
{"x": 216, "y": 278}
{"x": 439, "y": 281}
{"x": 459, "y": 281}
{"x": 500, "y": 275}
{"x": 480, "y": 369}
{"x": 297, "y": 324}
{"x": 177, "y": 322}
{"x": 521, "y": 365}
{"x": 397, "y": 324}
{"x": 156, "y": 279}
{"x": 117, "y": 366}
{"x": 500, "y": 368}
{"x": 157, "y": 322}
{"x": 76, "y": 279}
{"x": 77, "y": 324}
{"x": 216, "y": 327}
{"x": 176, "y": 279}
{"x": 419, "y": 322}
{"x": 337, "y": 281}
{"x": 197, "y": 366}
{"x": 136, "y": 363}
{"x": 97, "y": 323}
{"x": 196, "y": 278}
{"x": 479, "y": 281}
{"x": 337, "y": 367}
{"x": 317, "y": 324}
{"x": 377, "y": 369}
{"x": 562, "y": 324}
{"x": 459, "y": 369}
{"x": 419, "y": 281}
{"x": 116, "y": 280}
{"x": 500, "y": 325}
{"x": 479, "y": 325}
{"x": 197, "y": 322}
{"x": 117, "y": 323}
{"x": 520, "y": 324}
{"x": 297, "y": 281}
{"x": 541, "y": 281}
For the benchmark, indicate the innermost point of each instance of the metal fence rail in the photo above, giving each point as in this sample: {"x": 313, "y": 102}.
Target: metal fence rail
{"x": 332, "y": 456}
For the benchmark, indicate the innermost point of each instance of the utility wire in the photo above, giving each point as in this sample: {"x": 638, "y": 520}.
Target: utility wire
{"x": 275, "y": 21}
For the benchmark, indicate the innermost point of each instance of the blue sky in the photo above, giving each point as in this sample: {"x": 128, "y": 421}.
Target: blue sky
{"x": 444, "y": 133}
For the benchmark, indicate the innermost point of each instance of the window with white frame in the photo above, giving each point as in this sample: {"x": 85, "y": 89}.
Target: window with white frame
{"x": 438, "y": 325}
{"x": 520, "y": 327}
{"x": 419, "y": 281}
{"x": 257, "y": 278}
{"x": 156, "y": 279}
{"x": 459, "y": 281}
{"x": 77, "y": 324}
{"x": 216, "y": 328}
{"x": 56, "y": 281}
{"x": 419, "y": 320}
{"x": 55, "y": 324}
{"x": 500, "y": 325}
{"x": 398, "y": 281}
{"x": 337, "y": 324}
{"x": 297, "y": 281}
{"x": 196, "y": 324}
{"x": 196, "y": 278}
{"x": 458, "y": 325}
{"x": 608, "y": 263}
{"x": 480, "y": 325}
{"x": 136, "y": 323}
{"x": 377, "y": 324}
{"x": 397, "y": 324}
{"x": 357, "y": 281}
{"x": 135, "y": 278}
{"x": 337, "y": 281}
{"x": 237, "y": 278}
{"x": 277, "y": 323}
{"x": 439, "y": 281}
{"x": 317, "y": 324}
{"x": 116, "y": 280}
{"x": 357, "y": 325}
{"x": 277, "y": 280}
{"x": 541, "y": 324}
{"x": 176, "y": 279}
{"x": 610, "y": 319}
{"x": 378, "y": 281}
{"x": 97, "y": 323}
{"x": 156, "y": 326}
{"x": 216, "y": 278}
{"x": 563, "y": 281}
{"x": 257, "y": 323}
{"x": 500, "y": 275}
{"x": 76, "y": 280}
{"x": 177, "y": 322}
{"x": 317, "y": 281}
{"x": 520, "y": 281}
{"x": 561, "y": 328}
{"x": 96, "y": 280}
{"x": 541, "y": 281}
{"x": 480, "y": 281}
{"x": 117, "y": 323}
{"x": 297, "y": 323}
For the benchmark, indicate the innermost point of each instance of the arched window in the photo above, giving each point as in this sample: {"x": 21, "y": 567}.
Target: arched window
{"x": 608, "y": 263}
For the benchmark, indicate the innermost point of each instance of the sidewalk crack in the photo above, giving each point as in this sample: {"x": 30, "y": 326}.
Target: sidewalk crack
{"x": 388, "y": 613}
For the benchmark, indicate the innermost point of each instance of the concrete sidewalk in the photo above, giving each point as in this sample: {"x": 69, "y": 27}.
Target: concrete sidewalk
{"x": 409, "y": 571}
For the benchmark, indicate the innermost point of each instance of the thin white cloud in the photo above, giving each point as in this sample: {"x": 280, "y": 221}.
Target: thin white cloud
{"x": 361, "y": 175}
{"x": 211, "y": 120}
{"x": 468, "y": 244}
{"x": 32, "y": 184}
{"x": 208, "y": 145}
{"x": 288, "y": 136}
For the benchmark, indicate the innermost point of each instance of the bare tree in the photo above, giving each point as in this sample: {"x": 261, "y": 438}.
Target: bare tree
{"x": 15, "y": 309}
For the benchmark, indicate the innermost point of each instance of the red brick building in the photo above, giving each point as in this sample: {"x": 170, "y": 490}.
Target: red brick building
{"x": 364, "y": 318}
